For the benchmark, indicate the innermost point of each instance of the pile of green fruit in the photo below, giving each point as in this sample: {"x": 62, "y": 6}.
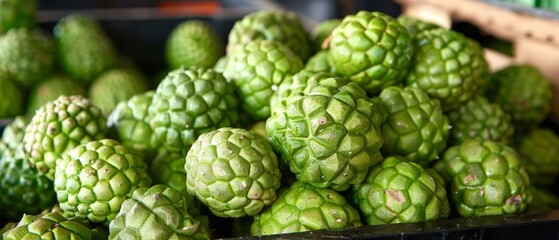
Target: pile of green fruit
{"x": 364, "y": 120}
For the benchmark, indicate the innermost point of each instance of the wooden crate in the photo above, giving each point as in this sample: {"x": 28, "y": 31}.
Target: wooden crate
{"x": 534, "y": 33}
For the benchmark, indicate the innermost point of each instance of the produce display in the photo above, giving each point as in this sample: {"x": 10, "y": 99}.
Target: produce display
{"x": 363, "y": 120}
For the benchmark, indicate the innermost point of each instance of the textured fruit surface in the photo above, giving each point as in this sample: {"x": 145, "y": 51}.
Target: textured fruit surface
{"x": 273, "y": 25}
{"x": 415, "y": 25}
{"x": 48, "y": 226}
{"x": 11, "y": 98}
{"x": 322, "y": 31}
{"x": 413, "y": 125}
{"x": 188, "y": 103}
{"x": 478, "y": 119}
{"x": 17, "y": 14}
{"x": 50, "y": 89}
{"x": 26, "y": 56}
{"x": 23, "y": 188}
{"x": 14, "y": 132}
{"x": 296, "y": 84}
{"x": 540, "y": 155}
{"x": 448, "y": 66}
{"x": 59, "y": 126}
{"x": 487, "y": 179}
{"x": 371, "y": 49}
{"x": 130, "y": 119}
{"x": 193, "y": 43}
{"x": 257, "y": 69}
{"x": 83, "y": 49}
{"x": 220, "y": 64}
{"x": 320, "y": 62}
{"x": 329, "y": 134}
{"x": 167, "y": 168}
{"x": 115, "y": 86}
{"x": 158, "y": 213}
{"x": 305, "y": 208}
{"x": 524, "y": 93}
{"x": 232, "y": 171}
{"x": 93, "y": 179}
{"x": 399, "y": 191}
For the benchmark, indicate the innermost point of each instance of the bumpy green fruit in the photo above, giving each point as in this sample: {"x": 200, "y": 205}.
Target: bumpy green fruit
{"x": 320, "y": 62}
{"x": 322, "y": 31}
{"x": 158, "y": 213}
{"x": 413, "y": 126}
{"x": 540, "y": 155}
{"x": 296, "y": 84}
{"x": 371, "y": 49}
{"x": 232, "y": 171}
{"x": 329, "y": 134}
{"x": 83, "y": 48}
{"x": 487, "y": 179}
{"x": 130, "y": 119}
{"x": 115, "y": 86}
{"x": 524, "y": 93}
{"x": 50, "y": 89}
{"x": 478, "y": 119}
{"x": 14, "y": 132}
{"x": 17, "y": 14}
{"x": 26, "y": 56}
{"x": 23, "y": 188}
{"x": 305, "y": 208}
{"x": 168, "y": 169}
{"x": 59, "y": 126}
{"x": 273, "y": 25}
{"x": 188, "y": 103}
{"x": 448, "y": 66}
{"x": 93, "y": 179}
{"x": 398, "y": 191}
{"x": 415, "y": 25}
{"x": 193, "y": 43}
{"x": 50, "y": 226}
{"x": 11, "y": 98}
{"x": 257, "y": 69}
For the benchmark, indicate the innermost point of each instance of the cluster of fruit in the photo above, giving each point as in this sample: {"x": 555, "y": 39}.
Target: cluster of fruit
{"x": 366, "y": 120}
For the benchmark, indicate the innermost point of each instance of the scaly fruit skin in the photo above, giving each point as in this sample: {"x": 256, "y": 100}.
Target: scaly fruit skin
{"x": 130, "y": 119}
{"x": 50, "y": 89}
{"x": 322, "y": 31}
{"x": 11, "y": 98}
{"x": 168, "y": 169}
{"x": 26, "y": 56}
{"x": 329, "y": 134}
{"x": 232, "y": 171}
{"x": 320, "y": 62}
{"x": 278, "y": 26}
{"x": 305, "y": 208}
{"x": 188, "y": 103}
{"x": 49, "y": 226}
{"x": 193, "y": 43}
{"x": 257, "y": 69}
{"x": 448, "y": 66}
{"x": 83, "y": 48}
{"x": 539, "y": 150}
{"x": 399, "y": 191}
{"x": 17, "y": 14}
{"x": 371, "y": 49}
{"x": 59, "y": 126}
{"x": 115, "y": 86}
{"x": 23, "y": 188}
{"x": 93, "y": 179}
{"x": 478, "y": 119}
{"x": 220, "y": 65}
{"x": 14, "y": 132}
{"x": 158, "y": 213}
{"x": 487, "y": 179}
{"x": 413, "y": 126}
{"x": 415, "y": 25}
{"x": 524, "y": 93}
{"x": 296, "y": 84}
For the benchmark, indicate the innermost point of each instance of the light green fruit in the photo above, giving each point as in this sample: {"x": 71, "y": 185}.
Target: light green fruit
{"x": 94, "y": 178}
{"x": 11, "y": 98}
{"x": 14, "y": 132}
{"x": 320, "y": 62}
{"x": 539, "y": 150}
{"x": 49, "y": 226}
{"x": 59, "y": 126}
{"x": 17, "y": 14}
{"x": 305, "y": 208}
{"x": 115, "y": 86}
{"x": 322, "y": 31}
{"x": 50, "y": 89}
{"x": 193, "y": 43}
{"x": 232, "y": 171}
{"x": 415, "y": 25}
